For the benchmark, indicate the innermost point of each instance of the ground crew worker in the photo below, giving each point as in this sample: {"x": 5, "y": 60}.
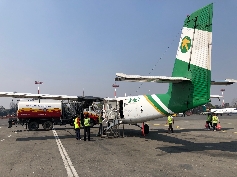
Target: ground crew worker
{"x": 87, "y": 127}
{"x": 100, "y": 123}
{"x": 77, "y": 126}
{"x": 170, "y": 121}
{"x": 215, "y": 120}
{"x": 209, "y": 120}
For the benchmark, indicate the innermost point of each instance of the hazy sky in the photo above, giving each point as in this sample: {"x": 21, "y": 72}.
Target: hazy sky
{"x": 76, "y": 44}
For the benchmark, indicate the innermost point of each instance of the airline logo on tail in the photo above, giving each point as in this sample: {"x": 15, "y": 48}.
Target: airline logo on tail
{"x": 185, "y": 44}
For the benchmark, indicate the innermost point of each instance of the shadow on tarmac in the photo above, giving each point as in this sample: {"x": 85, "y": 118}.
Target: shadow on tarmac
{"x": 185, "y": 145}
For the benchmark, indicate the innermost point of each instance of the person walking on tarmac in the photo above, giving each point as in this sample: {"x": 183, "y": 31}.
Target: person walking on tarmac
{"x": 215, "y": 120}
{"x": 87, "y": 127}
{"x": 77, "y": 126}
{"x": 170, "y": 121}
{"x": 209, "y": 121}
{"x": 100, "y": 123}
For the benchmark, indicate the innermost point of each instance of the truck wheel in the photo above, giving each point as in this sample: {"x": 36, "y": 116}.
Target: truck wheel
{"x": 48, "y": 125}
{"x": 33, "y": 126}
{"x": 146, "y": 129}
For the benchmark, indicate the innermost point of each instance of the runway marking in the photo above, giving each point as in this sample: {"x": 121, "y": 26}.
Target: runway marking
{"x": 156, "y": 124}
{"x": 181, "y": 128}
{"x": 71, "y": 171}
{"x": 235, "y": 132}
{"x": 166, "y": 125}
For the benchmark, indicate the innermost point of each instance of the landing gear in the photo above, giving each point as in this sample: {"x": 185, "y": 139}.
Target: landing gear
{"x": 145, "y": 129}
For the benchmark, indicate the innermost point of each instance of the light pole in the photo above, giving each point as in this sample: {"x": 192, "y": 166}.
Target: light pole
{"x": 223, "y": 102}
{"x": 114, "y": 85}
{"x": 38, "y": 82}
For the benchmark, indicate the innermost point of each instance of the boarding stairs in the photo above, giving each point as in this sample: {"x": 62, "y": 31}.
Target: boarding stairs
{"x": 111, "y": 125}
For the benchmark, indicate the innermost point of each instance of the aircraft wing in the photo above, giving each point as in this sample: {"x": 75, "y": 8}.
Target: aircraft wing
{"x": 12, "y": 94}
{"x": 48, "y": 96}
{"x": 157, "y": 79}
{"x": 225, "y": 82}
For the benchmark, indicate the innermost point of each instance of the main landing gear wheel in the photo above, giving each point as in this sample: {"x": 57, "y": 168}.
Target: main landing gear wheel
{"x": 48, "y": 125}
{"x": 145, "y": 129}
{"x": 33, "y": 126}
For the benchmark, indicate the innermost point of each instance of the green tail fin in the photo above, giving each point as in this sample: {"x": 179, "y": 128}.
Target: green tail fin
{"x": 193, "y": 61}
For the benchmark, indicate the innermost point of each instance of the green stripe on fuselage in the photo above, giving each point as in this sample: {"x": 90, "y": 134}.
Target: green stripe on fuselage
{"x": 156, "y": 105}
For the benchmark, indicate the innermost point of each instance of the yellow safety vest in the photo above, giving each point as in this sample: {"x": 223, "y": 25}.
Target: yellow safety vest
{"x": 87, "y": 122}
{"x": 214, "y": 119}
{"x": 100, "y": 119}
{"x": 209, "y": 118}
{"x": 76, "y": 124}
{"x": 170, "y": 119}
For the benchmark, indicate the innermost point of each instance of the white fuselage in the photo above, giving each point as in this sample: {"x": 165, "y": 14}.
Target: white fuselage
{"x": 137, "y": 109}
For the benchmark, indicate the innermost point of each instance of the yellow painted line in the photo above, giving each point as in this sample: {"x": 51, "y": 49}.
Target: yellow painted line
{"x": 156, "y": 124}
{"x": 166, "y": 125}
{"x": 235, "y": 132}
{"x": 182, "y": 128}
{"x": 177, "y": 126}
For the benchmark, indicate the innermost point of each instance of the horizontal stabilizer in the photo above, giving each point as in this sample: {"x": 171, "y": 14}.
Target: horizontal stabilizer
{"x": 157, "y": 79}
{"x": 225, "y": 82}
{"x": 216, "y": 96}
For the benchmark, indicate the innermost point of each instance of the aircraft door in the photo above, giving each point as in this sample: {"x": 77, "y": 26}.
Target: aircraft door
{"x": 121, "y": 109}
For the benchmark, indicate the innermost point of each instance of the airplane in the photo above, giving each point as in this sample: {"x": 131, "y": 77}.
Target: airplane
{"x": 189, "y": 85}
{"x": 224, "y": 111}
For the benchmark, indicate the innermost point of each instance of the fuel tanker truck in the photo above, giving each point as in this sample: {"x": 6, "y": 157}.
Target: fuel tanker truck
{"x": 52, "y": 112}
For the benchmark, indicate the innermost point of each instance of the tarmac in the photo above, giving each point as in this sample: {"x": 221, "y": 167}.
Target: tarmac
{"x": 189, "y": 151}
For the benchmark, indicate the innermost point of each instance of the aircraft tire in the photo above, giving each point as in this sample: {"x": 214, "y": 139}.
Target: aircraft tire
{"x": 48, "y": 125}
{"x": 146, "y": 129}
{"x": 33, "y": 126}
